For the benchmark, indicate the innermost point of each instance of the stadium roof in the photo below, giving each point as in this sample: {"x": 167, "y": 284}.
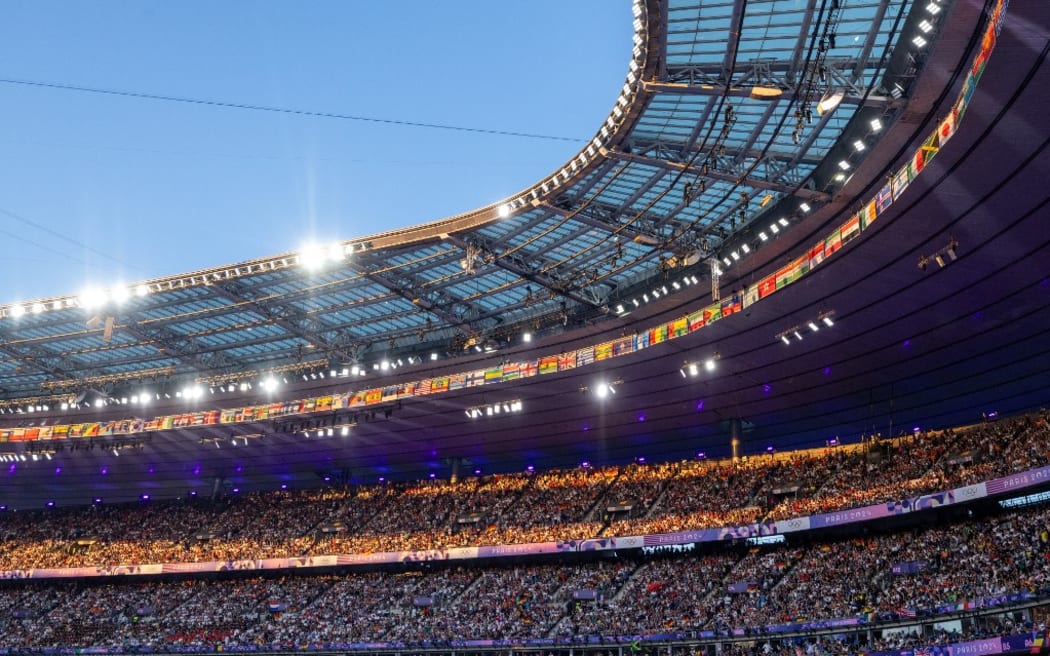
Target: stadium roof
{"x": 721, "y": 123}
{"x": 934, "y": 346}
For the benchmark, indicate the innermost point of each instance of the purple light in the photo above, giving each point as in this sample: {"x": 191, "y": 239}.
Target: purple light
{"x": 328, "y": 478}
{"x": 239, "y": 469}
{"x": 236, "y": 490}
{"x": 197, "y": 470}
{"x": 150, "y": 470}
{"x": 284, "y": 486}
{"x": 586, "y": 427}
{"x": 3, "y": 507}
{"x": 585, "y": 464}
{"x": 477, "y": 472}
{"x": 827, "y": 371}
{"x": 700, "y": 405}
{"x": 50, "y": 504}
{"x": 193, "y": 493}
{"x": 433, "y": 475}
{"x": 641, "y": 460}
{"x": 767, "y": 388}
{"x": 11, "y": 469}
{"x": 916, "y": 429}
{"x": 907, "y": 343}
{"x": 701, "y": 455}
{"x": 530, "y": 468}
{"x": 58, "y": 470}
{"x": 105, "y": 470}
{"x": 641, "y": 417}
{"x": 145, "y": 497}
{"x": 381, "y": 479}
{"x": 98, "y": 500}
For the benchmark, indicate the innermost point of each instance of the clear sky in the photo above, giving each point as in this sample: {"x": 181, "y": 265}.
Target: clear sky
{"x": 99, "y": 189}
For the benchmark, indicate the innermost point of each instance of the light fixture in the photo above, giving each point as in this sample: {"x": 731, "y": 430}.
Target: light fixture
{"x": 844, "y": 165}
{"x": 859, "y": 146}
{"x": 933, "y": 8}
{"x": 709, "y": 364}
{"x": 503, "y": 211}
{"x": 813, "y": 326}
{"x": 745, "y": 248}
{"x": 798, "y": 335}
{"x": 784, "y": 338}
{"x": 925, "y": 26}
{"x": 773, "y": 228}
{"x": 526, "y": 337}
{"x": 876, "y": 125}
{"x": 830, "y": 101}
{"x": 919, "y": 41}
{"x": 16, "y": 311}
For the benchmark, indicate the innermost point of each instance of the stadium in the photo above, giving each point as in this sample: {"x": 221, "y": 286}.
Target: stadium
{"x": 759, "y": 369}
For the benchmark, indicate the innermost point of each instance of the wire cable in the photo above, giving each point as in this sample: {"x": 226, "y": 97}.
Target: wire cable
{"x": 280, "y": 110}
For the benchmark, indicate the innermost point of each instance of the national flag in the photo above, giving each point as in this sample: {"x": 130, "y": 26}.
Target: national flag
{"x": 926, "y": 152}
{"x": 658, "y": 334}
{"x": 679, "y": 327}
{"x": 883, "y": 199}
{"x": 549, "y": 365}
{"x": 567, "y": 361}
{"x": 356, "y": 400}
{"x": 712, "y": 313}
{"x": 946, "y": 129}
{"x": 585, "y": 356}
{"x": 751, "y": 295}
{"x": 696, "y": 320}
{"x": 324, "y": 404}
{"x": 783, "y": 277}
{"x": 816, "y": 255}
{"x": 623, "y": 346}
{"x": 603, "y": 351}
{"x": 373, "y": 396}
{"x": 494, "y": 375}
{"x": 439, "y": 385}
{"x": 867, "y": 215}
{"x": 529, "y": 369}
{"x": 641, "y": 340}
{"x": 423, "y": 389}
{"x": 731, "y": 305}
{"x": 512, "y": 371}
{"x": 906, "y": 612}
{"x": 767, "y": 286}
{"x": 476, "y": 378}
{"x": 832, "y": 243}
{"x": 900, "y": 182}
{"x": 850, "y": 229}
{"x": 457, "y": 381}
{"x": 59, "y": 432}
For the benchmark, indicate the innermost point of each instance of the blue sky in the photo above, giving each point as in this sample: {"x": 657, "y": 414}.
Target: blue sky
{"x": 97, "y": 189}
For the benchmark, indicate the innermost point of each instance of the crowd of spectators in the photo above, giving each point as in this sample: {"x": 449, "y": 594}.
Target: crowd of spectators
{"x": 556, "y": 505}
{"x": 685, "y": 591}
